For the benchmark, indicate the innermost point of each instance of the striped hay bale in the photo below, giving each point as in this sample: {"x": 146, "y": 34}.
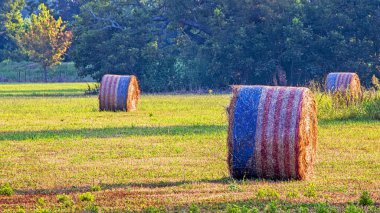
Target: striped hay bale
{"x": 344, "y": 83}
{"x": 118, "y": 93}
{"x": 272, "y": 132}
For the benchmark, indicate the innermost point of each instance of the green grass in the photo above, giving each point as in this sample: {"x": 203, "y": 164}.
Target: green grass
{"x": 169, "y": 155}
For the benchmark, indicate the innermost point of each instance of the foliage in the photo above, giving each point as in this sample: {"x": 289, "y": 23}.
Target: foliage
{"x": 66, "y": 9}
{"x": 87, "y": 197}
{"x": 6, "y": 189}
{"x": 365, "y": 199}
{"x": 193, "y": 208}
{"x": 10, "y": 17}
{"x": 44, "y": 40}
{"x": 185, "y": 45}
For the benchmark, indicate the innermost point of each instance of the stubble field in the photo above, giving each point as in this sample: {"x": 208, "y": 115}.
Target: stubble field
{"x": 170, "y": 155}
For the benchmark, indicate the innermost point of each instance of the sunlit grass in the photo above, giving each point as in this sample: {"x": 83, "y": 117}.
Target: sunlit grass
{"x": 40, "y": 89}
{"x": 171, "y": 152}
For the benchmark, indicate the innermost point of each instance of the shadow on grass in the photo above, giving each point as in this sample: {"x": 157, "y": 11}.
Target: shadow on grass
{"x": 152, "y": 185}
{"x": 112, "y": 132}
{"x": 42, "y": 93}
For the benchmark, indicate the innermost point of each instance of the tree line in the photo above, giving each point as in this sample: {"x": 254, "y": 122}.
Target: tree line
{"x": 200, "y": 44}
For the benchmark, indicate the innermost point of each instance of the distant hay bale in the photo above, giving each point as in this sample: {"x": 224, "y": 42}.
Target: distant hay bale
{"x": 118, "y": 93}
{"x": 344, "y": 83}
{"x": 272, "y": 133}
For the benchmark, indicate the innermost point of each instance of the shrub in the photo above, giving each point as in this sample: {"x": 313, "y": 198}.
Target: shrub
{"x": 365, "y": 199}
{"x": 6, "y": 190}
{"x": 87, "y": 197}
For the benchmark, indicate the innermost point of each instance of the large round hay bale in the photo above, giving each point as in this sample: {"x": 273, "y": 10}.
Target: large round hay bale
{"x": 272, "y": 132}
{"x": 344, "y": 82}
{"x": 118, "y": 93}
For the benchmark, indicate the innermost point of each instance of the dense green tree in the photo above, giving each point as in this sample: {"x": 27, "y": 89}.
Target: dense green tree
{"x": 186, "y": 44}
{"x": 9, "y": 11}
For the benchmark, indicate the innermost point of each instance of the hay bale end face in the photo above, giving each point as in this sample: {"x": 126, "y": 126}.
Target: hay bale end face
{"x": 118, "y": 93}
{"x": 272, "y": 133}
{"x": 344, "y": 82}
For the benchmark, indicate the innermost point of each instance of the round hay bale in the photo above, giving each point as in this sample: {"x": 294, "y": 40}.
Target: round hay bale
{"x": 272, "y": 133}
{"x": 119, "y": 93}
{"x": 344, "y": 82}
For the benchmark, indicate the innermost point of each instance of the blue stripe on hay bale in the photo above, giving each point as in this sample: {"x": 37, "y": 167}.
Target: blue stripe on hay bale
{"x": 245, "y": 121}
{"x": 330, "y": 82}
{"x": 122, "y": 92}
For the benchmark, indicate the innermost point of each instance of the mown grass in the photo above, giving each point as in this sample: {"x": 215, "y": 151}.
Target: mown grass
{"x": 169, "y": 155}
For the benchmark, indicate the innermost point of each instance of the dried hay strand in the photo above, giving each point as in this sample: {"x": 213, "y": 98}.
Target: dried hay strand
{"x": 119, "y": 93}
{"x": 272, "y": 133}
{"x": 344, "y": 84}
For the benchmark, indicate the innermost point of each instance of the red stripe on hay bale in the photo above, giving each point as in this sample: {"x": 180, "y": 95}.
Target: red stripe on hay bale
{"x": 272, "y": 132}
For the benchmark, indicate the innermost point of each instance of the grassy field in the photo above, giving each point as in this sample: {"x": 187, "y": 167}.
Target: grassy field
{"x": 24, "y": 71}
{"x": 170, "y": 155}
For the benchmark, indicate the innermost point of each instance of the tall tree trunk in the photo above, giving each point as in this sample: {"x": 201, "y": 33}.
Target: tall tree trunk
{"x": 45, "y": 74}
